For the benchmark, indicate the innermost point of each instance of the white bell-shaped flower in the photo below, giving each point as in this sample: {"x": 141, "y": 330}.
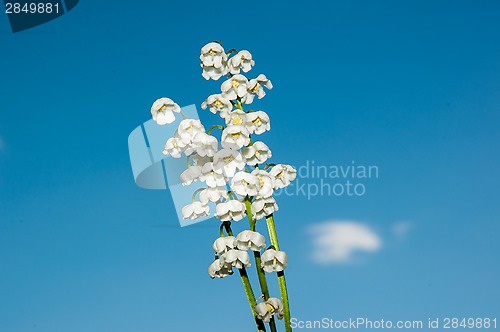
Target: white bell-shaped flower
{"x": 263, "y": 207}
{"x": 212, "y": 194}
{"x": 211, "y": 177}
{"x": 195, "y": 210}
{"x": 265, "y": 310}
{"x": 258, "y": 122}
{"x": 257, "y": 153}
{"x": 266, "y": 183}
{"x": 190, "y": 175}
{"x": 236, "y": 258}
{"x": 201, "y": 161}
{"x": 242, "y": 60}
{"x": 250, "y": 240}
{"x": 283, "y": 175}
{"x": 218, "y": 104}
{"x": 189, "y": 128}
{"x": 234, "y": 87}
{"x": 162, "y": 111}
{"x": 213, "y": 61}
{"x": 244, "y": 183}
{"x": 223, "y": 244}
{"x": 172, "y": 148}
{"x": 227, "y": 161}
{"x": 219, "y": 270}
{"x": 236, "y": 117}
{"x": 273, "y": 260}
{"x": 205, "y": 145}
{"x": 235, "y": 136}
{"x": 230, "y": 210}
{"x": 255, "y": 88}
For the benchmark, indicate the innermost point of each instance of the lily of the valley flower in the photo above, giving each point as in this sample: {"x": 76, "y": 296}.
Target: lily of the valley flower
{"x": 205, "y": 145}
{"x": 217, "y": 103}
{"x": 244, "y": 183}
{"x": 189, "y": 128}
{"x": 211, "y": 177}
{"x": 235, "y": 136}
{"x": 227, "y": 161}
{"x": 283, "y": 175}
{"x": 219, "y": 270}
{"x": 236, "y": 117}
{"x": 223, "y": 244}
{"x": 250, "y": 240}
{"x": 234, "y": 87}
{"x": 242, "y": 60}
{"x": 213, "y": 61}
{"x": 212, "y": 194}
{"x": 195, "y": 210}
{"x": 162, "y": 111}
{"x": 257, "y": 153}
{"x": 266, "y": 183}
{"x": 255, "y": 87}
{"x": 263, "y": 207}
{"x": 258, "y": 122}
{"x": 274, "y": 261}
{"x": 190, "y": 175}
{"x": 265, "y": 310}
{"x": 172, "y": 148}
{"x": 230, "y": 210}
{"x": 236, "y": 258}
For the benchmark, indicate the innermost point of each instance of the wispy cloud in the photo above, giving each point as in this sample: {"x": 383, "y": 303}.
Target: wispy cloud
{"x": 401, "y": 229}
{"x": 338, "y": 241}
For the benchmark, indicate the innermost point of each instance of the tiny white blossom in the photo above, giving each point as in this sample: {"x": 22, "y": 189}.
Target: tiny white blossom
{"x": 255, "y": 87}
{"x": 211, "y": 177}
{"x": 236, "y": 258}
{"x": 242, "y": 60}
{"x": 234, "y": 87}
{"x": 283, "y": 175}
{"x": 226, "y": 161}
{"x": 250, "y": 240}
{"x": 223, "y": 244}
{"x": 236, "y": 117}
{"x": 230, "y": 210}
{"x": 190, "y": 175}
{"x": 236, "y": 136}
{"x": 265, "y": 310}
{"x": 257, "y": 153}
{"x": 172, "y": 148}
{"x": 244, "y": 183}
{"x": 219, "y": 270}
{"x": 205, "y": 145}
{"x": 273, "y": 260}
{"x": 189, "y": 128}
{"x": 162, "y": 111}
{"x": 263, "y": 207}
{"x": 213, "y": 61}
{"x": 212, "y": 194}
{"x": 258, "y": 122}
{"x": 266, "y": 183}
{"x": 217, "y": 103}
{"x": 195, "y": 210}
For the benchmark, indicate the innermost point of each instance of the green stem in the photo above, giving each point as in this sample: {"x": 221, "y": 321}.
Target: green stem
{"x": 260, "y": 273}
{"x": 281, "y": 275}
{"x": 251, "y": 298}
{"x": 213, "y": 127}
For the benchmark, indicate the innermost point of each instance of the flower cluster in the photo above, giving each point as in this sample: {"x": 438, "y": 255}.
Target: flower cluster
{"x": 235, "y": 171}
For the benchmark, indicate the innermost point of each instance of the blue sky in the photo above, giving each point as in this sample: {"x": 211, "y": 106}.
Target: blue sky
{"x": 412, "y": 88}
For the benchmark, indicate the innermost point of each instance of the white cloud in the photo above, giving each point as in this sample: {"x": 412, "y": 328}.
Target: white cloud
{"x": 401, "y": 228}
{"x": 337, "y": 241}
